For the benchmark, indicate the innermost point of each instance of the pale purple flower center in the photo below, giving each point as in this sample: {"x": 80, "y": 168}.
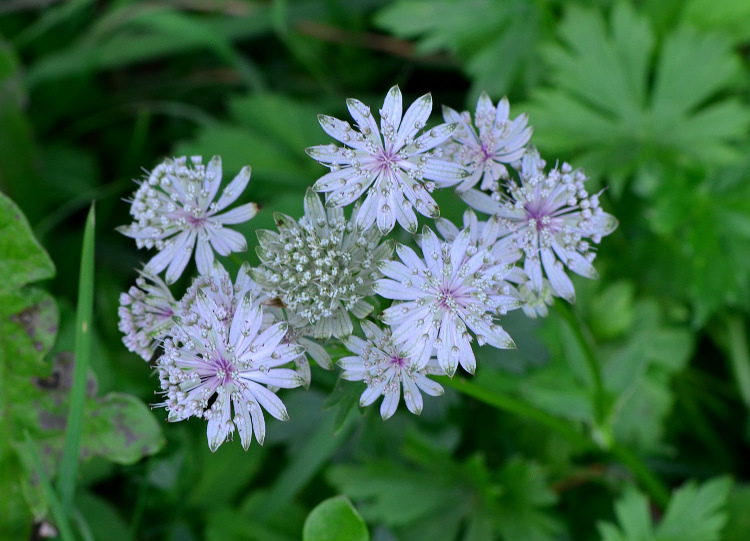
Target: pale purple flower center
{"x": 386, "y": 160}
{"x": 397, "y": 361}
{"x": 224, "y": 371}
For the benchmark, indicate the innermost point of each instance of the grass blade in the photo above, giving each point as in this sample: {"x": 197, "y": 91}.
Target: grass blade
{"x": 69, "y": 465}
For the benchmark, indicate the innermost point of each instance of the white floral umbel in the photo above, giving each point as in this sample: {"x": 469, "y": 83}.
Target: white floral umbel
{"x": 145, "y": 314}
{"x": 320, "y": 268}
{"x": 175, "y": 212}
{"x": 221, "y": 370}
{"x": 499, "y": 141}
{"x": 386, "y": 368}
{"x": 549, "y": 216}
{"x": 444, "y": 295}
{"x": 393, "y": 162}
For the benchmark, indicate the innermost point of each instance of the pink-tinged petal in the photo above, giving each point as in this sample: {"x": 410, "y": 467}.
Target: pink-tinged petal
{"x": 204, "y": 256}
{"x": 256, "y": 413}
{"x": 330, "y": 154}
{"x": 405, "y": 216}
{"x": 212, "y": 180}
{"x": 480, "y": 201}
{"x": 386, "y": 214}
{"x": 390, "y": 115}
{"x": 533, "y": 268}
{"x": 371, "y": 394}
{"x": 270, "y": 402}
{"x": 336, "y": 180}
{"x": 432, "y": 250}
{"x": 555, "y": 272}
{"x": 181, "y": 258}
{"x": 226, "y": 241}
{"x": 390, "y": 403}
{"x": 458, "y": 248}
{"x": 368, "y": 212}
{"x": 446, "y": 228}
{"x": 410, "y": 259}
{"x": 430, "y": 387}
{"x": 237, "y": 215}
{"x": 317, "y": 352}
{"x": 314, "y": 208}
{"x": 365, "y": 121}
{"x": 342, "y": 131}
{"x": 233, "y": 190}
{"x": 246, "y": 320}
{"x": 218, "y": 428}
{"x": 164, "y": 257}
{"x": 243, "y": 422}
{"x": 601, "y": 225}
{"x": 284, "y": 378}
{"x": 432, "y": 138}
{"x": 391, "y": 289}
{"x": 415, "y": 119}
{"x": 412, "y": 396}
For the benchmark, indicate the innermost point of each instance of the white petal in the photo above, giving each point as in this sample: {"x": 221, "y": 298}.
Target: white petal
{"x": 391, "y": 289}
{"x": 226, "y": 241}
{"x": 365, "y": 121}
{"x": 390, "y": 403}
{"x": 181, "y": 258}
{"x": 412, "y": 396}
{"x": 270, "y": 402}
{"x": 213, "y": 177}
{"x": 204, "y": 256}
{"x": 431, "y": 139}
{"x": 414, "y": 120}
{"x": 341, "y": 131}
{"x": 235, "y": 189}
{"x": 392, "y": 111}
{"x": 555, "y": 272}
{"x": 237, "y": 215}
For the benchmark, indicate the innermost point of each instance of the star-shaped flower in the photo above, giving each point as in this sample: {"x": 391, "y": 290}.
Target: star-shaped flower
{"x": 549, "y": 216}
{"x": 175, "y": 212}
{"x": 497, "y": 142}
{"x": 444, "y": 295}
{"x": 387, "y": 368}
{"x": 392, "y": 163}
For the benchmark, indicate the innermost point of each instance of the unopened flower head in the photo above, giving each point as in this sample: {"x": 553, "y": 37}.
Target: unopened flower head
{"x": 487, "y": 145}
{"x": 444, "y": 295}
{"x": 221, "y": 370}
{"x": 394, "y": 162}
{"x": 549, "y": 216}
{"x": 145, "y": 314}
{"x": 386, "y": 368}
{"x": 321, "y": 267}
{"x": 174, "y": 211}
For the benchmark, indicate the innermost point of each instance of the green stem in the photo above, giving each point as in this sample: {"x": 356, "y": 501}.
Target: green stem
{"x": 600, "y": 395}
{"x": 517, "y": 407}
{"x": 738, "y": 355}
{"x": 650, "y": 482}
{"x": 657, "y": 490}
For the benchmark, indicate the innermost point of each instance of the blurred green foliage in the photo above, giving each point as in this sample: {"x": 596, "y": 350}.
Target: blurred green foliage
{"x": 649, "y": 370}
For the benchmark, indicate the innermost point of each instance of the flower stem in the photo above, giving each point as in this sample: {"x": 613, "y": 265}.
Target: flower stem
{"x": 599, "y": 393}
{"x": 656, "y": 489}
{"x": 738, "y": 354}
{"x": 518, "y": 407}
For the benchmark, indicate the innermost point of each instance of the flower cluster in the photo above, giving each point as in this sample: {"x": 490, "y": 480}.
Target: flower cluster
{"x": 226, "y": 348}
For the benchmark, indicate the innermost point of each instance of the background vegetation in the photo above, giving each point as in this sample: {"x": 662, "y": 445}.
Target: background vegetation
{"x": 650, "y": 97}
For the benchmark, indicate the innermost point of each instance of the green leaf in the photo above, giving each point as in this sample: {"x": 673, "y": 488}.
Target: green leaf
{"x": 335, "y": 519}
{"x": 730, "y": 17}
{"x": 497, "y": 49}
{"x": 603, "y": 109}
{"x": 22, "y": 258}
{"x": 434, "y": 497}
{"x": 695, "y": 513}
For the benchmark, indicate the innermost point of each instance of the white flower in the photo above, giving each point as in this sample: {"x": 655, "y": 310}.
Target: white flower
{"x": 175, "y": 211}
{"x": 499, "y": 141}
{"x": 549, "y": 217}
{"x": 397, "y": 167}
{"x": 385, "y": 367}
{"x": 145, "y": 314}
{"x": 221, "y": 370}
{"x": 446, "y": 294}
{"x": 320, "y": 268}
